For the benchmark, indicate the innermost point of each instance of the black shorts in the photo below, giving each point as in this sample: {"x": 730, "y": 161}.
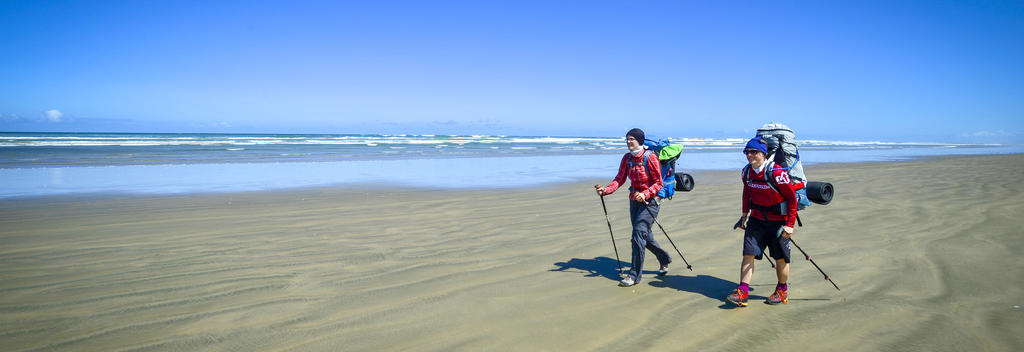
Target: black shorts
{"x": 761, "y": 234}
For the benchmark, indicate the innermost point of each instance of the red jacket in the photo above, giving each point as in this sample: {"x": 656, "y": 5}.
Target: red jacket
{"x": 756, "y": 191}
{"x": 639, "y": 178}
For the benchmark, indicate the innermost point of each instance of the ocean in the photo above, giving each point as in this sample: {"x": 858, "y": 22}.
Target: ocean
{"x": 42, "y": 164}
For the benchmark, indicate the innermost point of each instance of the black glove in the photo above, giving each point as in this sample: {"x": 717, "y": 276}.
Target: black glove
{"x": 738, "y": 223}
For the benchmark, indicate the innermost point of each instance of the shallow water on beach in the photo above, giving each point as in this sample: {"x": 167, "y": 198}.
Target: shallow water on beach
{"x": 55, "y": 164}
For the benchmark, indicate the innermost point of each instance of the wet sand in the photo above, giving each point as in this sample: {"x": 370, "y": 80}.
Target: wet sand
{"x": 929, "y": 256}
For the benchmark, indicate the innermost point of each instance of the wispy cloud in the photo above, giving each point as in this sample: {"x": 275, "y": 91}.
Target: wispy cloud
{"x": 480, "y": 122}
{"x": 53, "y": 115}
{"x": 10, "y": 118}
{"x": 221, "y": 124}
{"x": 999, "y": 133}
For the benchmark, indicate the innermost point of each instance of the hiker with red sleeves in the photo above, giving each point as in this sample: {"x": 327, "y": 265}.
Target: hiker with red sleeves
{"x": 770, "y": 199}
{"x": 644, "y": 172}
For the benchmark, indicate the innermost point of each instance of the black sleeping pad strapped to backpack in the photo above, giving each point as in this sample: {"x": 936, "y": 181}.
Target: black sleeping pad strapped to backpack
{"x": 684, "y": 182}
{"x": 820, "y": 192}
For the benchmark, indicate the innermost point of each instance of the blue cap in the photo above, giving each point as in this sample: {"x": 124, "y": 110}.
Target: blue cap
{"x": 758, "y": 144}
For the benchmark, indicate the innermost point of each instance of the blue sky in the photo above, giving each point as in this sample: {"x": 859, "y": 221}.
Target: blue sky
{"x": 859, "y": 70}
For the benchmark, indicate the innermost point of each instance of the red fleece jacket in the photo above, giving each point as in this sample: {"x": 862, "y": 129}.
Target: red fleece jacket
{"x": 640, "y": 180}
{"x": 756, "y": 191}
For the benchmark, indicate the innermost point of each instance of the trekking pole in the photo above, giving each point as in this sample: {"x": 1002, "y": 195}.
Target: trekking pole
{"x": 617, "y": 260}
{"x": 815, "y": 264}
{"x": 769, "y": 259}
{"x": 688, "y": 266}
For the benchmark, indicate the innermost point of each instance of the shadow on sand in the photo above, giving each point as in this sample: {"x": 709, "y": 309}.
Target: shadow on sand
{"x": 600, "y": 266}
{"x": 709, "y": 286}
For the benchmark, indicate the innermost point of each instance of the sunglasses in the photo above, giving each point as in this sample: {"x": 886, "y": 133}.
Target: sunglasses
{"x": 751, "y": 151}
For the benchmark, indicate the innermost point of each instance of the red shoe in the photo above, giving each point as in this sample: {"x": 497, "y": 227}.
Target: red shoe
{"x": 738, "y": 298}
{"x": 778, "y": 297}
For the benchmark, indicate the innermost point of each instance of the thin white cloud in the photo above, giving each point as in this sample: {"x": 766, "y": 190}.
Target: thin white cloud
{"x": 10, "y": 118}
{"x": 999, "y": 133}
{"x": 53, "y": 115}
{"x": 221, "y": 124}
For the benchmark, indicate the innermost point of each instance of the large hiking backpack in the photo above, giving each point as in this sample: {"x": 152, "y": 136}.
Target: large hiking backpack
{"x": 784, "y": 153}
{"x": 668, "y": 154}
{"x": 782, "y": 149}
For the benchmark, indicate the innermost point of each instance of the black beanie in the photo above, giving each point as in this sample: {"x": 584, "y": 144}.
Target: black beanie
{"x": 638, "y": 134}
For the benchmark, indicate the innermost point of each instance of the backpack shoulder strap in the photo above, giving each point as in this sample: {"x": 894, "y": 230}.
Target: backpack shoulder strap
{"x": 769, "y": 176}
{"x": 643, "y": 159}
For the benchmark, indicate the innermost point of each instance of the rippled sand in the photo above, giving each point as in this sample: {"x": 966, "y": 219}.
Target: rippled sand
{"x": 928, "y": 255}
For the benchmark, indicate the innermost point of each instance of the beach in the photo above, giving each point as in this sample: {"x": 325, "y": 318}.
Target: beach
{"x": 927, "y": 254}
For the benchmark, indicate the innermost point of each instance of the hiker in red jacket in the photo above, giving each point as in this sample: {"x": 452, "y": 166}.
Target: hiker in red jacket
{"x": 771, "y": 202}
{"x": 644, "y": 172}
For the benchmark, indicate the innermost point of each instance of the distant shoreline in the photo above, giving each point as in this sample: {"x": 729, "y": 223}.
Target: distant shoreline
{"x": 702, "y": 177}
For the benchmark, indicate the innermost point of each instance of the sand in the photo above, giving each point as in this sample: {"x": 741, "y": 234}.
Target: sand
{"x": 927, "y": 253}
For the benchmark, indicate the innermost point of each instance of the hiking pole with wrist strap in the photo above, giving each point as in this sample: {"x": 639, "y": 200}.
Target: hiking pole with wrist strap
{"x": 617, "y": 260}
{"x": 815, "y": 264}
{"x": 688, "y": 266}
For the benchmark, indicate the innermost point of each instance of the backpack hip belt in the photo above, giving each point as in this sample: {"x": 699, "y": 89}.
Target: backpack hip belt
{"x": 777, "y": 209}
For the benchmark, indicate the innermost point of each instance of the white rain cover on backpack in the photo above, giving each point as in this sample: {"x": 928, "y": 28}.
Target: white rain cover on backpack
{"x": 780, "y": 137}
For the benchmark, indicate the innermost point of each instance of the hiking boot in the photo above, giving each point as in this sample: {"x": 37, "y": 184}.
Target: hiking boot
{"x": 738, "y": 298}
{"x": 779, "y": 297}
{"x": 627, "y": 282}
{"x": 663, "y": 271}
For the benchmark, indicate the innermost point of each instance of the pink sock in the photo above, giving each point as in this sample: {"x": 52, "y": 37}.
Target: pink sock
{"x": 745, "y": 287}
{"x": 782, "y": 287}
